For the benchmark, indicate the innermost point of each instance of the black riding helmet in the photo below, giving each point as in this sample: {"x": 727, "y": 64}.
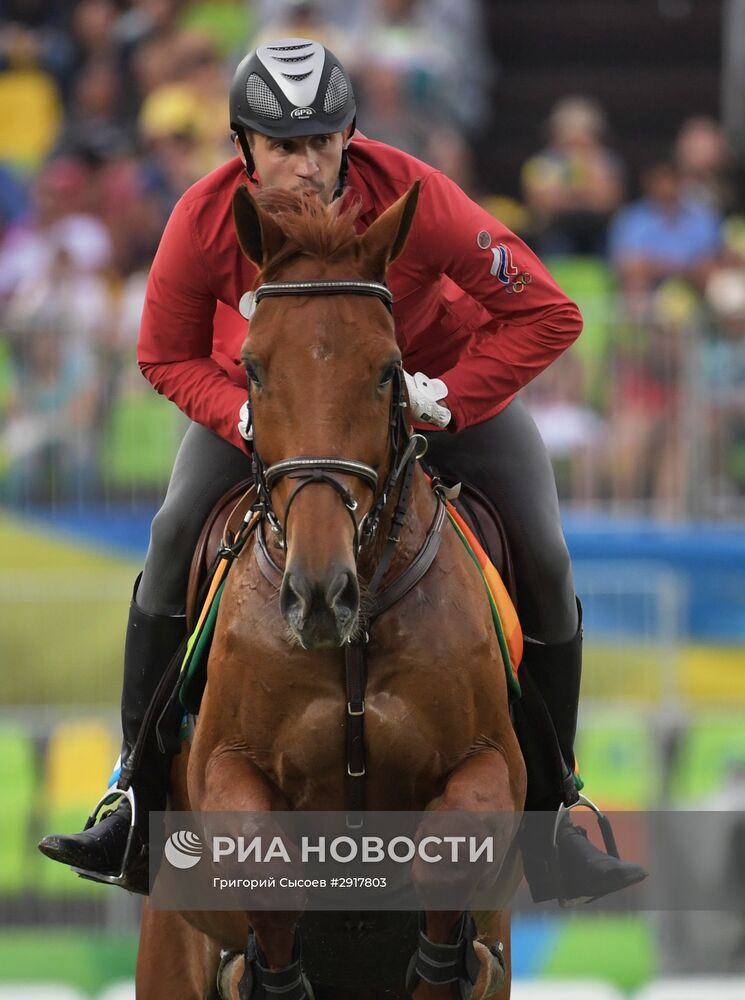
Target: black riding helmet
{"x": 290, "y": 87}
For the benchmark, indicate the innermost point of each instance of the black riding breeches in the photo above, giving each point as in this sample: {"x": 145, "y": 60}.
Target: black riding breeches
{"x": 206, "y": 467}
{"x": 504, "y": 457}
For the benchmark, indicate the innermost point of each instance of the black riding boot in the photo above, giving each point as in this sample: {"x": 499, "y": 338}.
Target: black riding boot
{"x": 151, "y": 642}
{"x": 575, "y": 871}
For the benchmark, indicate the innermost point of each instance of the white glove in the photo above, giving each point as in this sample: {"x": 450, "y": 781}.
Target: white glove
{"x": 245, "y": 427}
{"x": 424, "y": 394}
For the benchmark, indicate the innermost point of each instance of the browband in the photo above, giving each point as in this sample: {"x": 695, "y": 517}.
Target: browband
{"x": 330, "y": 287}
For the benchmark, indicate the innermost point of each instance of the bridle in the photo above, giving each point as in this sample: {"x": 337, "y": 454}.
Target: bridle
{"x": 405, "y": 450}
{"x": 307, "y": 470}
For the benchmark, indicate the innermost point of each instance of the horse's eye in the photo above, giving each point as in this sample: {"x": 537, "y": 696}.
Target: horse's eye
{"x": 387, "y": 376}
{"x": 252, "y": 374}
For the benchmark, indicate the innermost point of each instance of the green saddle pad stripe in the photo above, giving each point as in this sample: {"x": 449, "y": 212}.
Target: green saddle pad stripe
{"x": 196, "y": 648}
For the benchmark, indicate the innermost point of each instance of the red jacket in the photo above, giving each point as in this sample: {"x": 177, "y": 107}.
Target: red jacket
{"x": 473, "y": 305}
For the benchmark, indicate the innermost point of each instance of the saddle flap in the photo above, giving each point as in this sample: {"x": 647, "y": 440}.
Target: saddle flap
{"x": 484, "y": 521}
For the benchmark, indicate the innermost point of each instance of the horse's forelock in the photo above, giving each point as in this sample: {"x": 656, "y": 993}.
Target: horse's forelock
{"x": 312, "y": 228}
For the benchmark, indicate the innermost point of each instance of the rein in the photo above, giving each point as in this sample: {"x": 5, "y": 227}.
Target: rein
{"x": 405, "y": 450}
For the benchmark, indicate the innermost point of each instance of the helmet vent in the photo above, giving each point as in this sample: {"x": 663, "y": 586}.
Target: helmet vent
{"x": 286, "y": 59}
{"x": 261, "y": 99}
{"x": 289, "y": 48}
{"x": 297, "y": 77}
{"x": 337, "y": 92}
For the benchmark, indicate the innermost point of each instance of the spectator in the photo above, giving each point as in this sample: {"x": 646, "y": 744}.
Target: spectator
{"x": 201, "y": 70}
{"x": 92, "y": 30}
{"x": 30, "y": 105}
{"x": 390, "y": 115}
{"x": 647, "y": 427}
{"x": 46, "y": 442}
{"x": 723, "y": 367}
{"x": 37, "y": 31}
{"x": 573, "y": 186}
{"x": 93, "y": 130}
{"x": 60, "y": 225}
{"x": 145, "y": 35}
{"x": 447, "y": 149}
{"x": 170, "y": 123}
{"x": 666, "y": 234}
{"x": 573, "y": 433}
{"x": 706, "y": 163}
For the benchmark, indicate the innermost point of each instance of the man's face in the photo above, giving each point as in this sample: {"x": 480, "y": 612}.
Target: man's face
{"x": 301, "y": 163}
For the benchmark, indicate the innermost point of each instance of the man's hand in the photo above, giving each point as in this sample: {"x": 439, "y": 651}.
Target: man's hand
{"x": 245, "y": 426}
{"x": 424, "y": 394}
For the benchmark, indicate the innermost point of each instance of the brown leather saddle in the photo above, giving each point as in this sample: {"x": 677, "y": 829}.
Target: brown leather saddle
{"x": 228, "y": 514}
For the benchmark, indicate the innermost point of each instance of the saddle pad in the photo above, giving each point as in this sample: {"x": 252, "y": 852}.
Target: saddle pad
{"x": 504, "y": 616}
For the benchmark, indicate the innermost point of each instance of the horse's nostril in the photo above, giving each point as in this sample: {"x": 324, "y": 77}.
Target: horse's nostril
{"x": 343, "y": 591}
{"x": 295, "y": 596}
{"x": 320, "y": 614}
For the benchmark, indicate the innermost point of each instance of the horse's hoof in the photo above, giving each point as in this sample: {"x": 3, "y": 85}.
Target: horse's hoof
{"x": 225, "y": 973}
{"x": 495, "y": 968}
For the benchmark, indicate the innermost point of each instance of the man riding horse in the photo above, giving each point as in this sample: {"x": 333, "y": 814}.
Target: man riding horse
{"x": 474, "y": 309}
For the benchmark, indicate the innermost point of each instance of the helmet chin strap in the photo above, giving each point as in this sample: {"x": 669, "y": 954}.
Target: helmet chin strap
{"x": 343, "y": 171}
{"x": 247, "y": 156}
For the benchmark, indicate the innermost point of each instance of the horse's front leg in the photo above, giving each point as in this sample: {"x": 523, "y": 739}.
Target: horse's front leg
{"x": 227, "y": 780}
{"x": 455, "y": 959}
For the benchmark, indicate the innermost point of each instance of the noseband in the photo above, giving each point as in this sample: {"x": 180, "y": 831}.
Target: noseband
{"x": 308, "y": 469}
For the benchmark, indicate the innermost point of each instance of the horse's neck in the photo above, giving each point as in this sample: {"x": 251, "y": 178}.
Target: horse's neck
{"x": 419, "y": 515}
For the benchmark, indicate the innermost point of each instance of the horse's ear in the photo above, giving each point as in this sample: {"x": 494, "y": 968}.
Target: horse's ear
{"x": 259, "y": 235}
{"x": 385, "y": 238}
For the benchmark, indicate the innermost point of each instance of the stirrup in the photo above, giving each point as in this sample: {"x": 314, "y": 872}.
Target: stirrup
{"x": 261, "y": 983}
{"x": 443, "y": 964}
{"x": 609, "y": 841}
{"x": 130, "y": 867}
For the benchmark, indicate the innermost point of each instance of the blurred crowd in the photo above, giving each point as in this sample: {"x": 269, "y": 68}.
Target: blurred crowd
{"x": 651, "y": 406}
{"x": 110, "y": 109}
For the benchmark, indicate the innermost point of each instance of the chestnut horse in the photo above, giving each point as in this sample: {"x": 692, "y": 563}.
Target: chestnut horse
{"x": 330, "y": 432}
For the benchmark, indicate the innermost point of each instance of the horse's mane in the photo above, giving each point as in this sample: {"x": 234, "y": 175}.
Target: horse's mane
{"x": 312, "y": 228}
